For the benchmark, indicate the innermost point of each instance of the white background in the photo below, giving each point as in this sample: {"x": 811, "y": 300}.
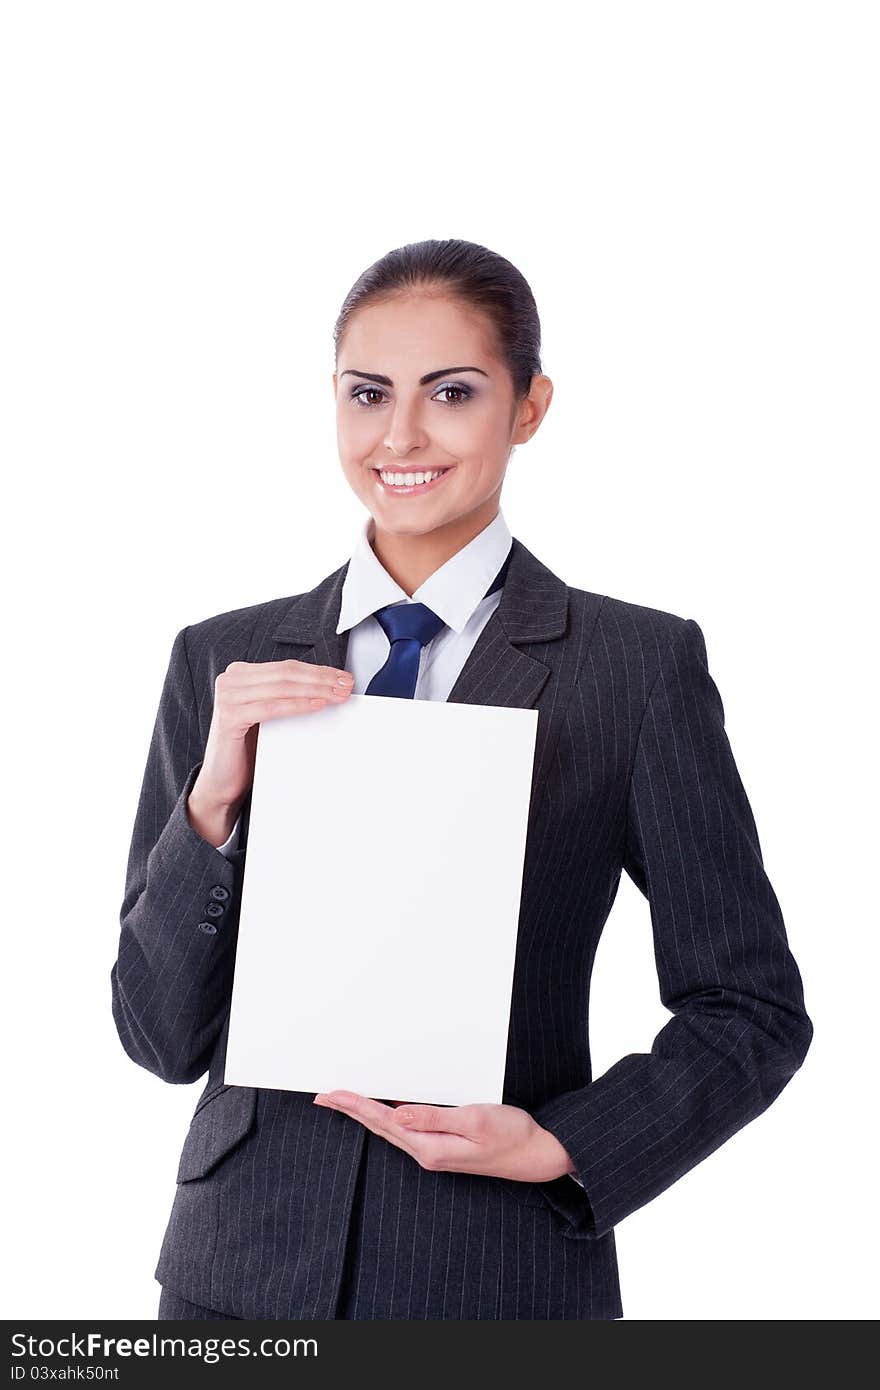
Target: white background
{"x": 189, "y": 191}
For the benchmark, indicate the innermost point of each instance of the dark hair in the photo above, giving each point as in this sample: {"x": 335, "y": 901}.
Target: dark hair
{"x": 471, "y": 272}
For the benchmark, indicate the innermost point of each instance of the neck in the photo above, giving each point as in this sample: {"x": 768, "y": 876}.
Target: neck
{"x": 410, "y": 560}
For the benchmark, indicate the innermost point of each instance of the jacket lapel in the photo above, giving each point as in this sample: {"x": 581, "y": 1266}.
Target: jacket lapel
{"x": 533, "y": 613}
{"x": 533, "y": 609}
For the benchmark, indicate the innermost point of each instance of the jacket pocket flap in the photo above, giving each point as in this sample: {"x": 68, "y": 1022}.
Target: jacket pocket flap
{"x": 216, "y": 1127}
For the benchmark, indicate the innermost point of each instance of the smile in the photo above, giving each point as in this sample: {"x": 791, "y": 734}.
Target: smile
{"x": 389, "y": 483}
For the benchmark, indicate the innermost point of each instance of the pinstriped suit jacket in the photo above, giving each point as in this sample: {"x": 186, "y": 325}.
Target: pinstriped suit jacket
{"x": 283, "y": 1209}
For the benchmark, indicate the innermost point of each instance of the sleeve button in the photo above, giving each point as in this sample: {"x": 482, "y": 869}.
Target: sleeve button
{"x": 207, "y": 927}
{"x": 214, "y": 909}
{"x": 219, "y": 893}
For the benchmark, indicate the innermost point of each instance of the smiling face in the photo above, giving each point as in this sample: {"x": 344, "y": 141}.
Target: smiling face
{"x": 420, "y": 388}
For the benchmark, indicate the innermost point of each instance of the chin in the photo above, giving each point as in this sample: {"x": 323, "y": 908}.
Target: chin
{"x": 415, "y": 527}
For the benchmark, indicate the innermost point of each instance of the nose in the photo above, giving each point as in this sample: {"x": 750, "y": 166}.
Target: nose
{"x": 405, "y": 431}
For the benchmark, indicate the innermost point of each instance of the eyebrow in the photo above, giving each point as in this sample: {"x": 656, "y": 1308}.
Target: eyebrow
{"x": 423, "y": 380}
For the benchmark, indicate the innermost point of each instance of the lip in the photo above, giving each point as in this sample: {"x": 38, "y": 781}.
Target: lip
{"x": 416, "y": 488}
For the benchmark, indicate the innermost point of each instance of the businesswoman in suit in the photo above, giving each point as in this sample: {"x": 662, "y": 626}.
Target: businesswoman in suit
{"x": 290, "y": 1205}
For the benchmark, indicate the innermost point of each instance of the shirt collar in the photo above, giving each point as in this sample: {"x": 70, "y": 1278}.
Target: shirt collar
{"x": 452, "y": 591}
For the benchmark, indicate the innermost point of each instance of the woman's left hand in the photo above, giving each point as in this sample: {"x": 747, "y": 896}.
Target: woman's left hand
{"x": 501, "y": 1141}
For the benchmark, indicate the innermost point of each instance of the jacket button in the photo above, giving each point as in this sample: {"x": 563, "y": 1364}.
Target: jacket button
{"x": 207, "y": 927}
{"x": 214, "y": 909}
{"x": 219, "y": 893}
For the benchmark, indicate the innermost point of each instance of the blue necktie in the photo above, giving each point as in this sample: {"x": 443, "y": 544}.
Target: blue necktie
{"x": 408, "y": 626}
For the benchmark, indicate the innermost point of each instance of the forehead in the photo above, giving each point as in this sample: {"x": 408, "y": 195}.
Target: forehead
{"x": 416, "y": 330}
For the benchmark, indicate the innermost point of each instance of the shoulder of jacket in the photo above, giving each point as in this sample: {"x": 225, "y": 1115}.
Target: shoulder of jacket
{"x": 212, "y": 643}
{"x": 634, "y": 623}
{"x": 236, "y": 621}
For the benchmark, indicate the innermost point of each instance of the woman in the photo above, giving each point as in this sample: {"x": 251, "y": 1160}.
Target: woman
{"x": 290, "y": 1205}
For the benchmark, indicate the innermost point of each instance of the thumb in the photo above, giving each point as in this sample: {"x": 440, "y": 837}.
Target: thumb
{"x": 442, "y": 1119}
{"x": 415, "y": 1116}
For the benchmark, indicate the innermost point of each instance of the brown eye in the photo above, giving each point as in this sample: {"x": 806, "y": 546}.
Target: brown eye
{"x": 366, "y": 391}
{"x": 463, "y": 391}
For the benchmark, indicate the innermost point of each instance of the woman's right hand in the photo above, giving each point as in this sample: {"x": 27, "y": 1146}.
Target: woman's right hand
{"x": 245, "y": 694}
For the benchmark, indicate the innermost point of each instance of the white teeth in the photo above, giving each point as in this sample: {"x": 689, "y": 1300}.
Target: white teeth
{"x": 410, "y": 479}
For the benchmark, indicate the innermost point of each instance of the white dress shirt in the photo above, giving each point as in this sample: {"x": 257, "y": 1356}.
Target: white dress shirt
{"x": 456, "y": 592}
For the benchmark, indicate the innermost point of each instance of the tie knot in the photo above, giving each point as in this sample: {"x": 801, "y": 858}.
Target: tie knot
{"x": 412, "y": 620}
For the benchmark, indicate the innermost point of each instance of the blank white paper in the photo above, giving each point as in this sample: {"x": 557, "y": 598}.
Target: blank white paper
{"x": 380, "y": 900}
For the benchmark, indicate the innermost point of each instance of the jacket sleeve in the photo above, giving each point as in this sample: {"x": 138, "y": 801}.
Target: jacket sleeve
{"x": 172, "y": 979}
{"x": 739, "y": 1029}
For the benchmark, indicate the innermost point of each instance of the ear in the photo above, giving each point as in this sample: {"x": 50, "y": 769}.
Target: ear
{"x": 536, "y": 405}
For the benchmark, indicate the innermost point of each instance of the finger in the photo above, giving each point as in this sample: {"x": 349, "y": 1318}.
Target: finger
{"x": 375, "y": 1115}
{"x": 268, "y": 689}
{"x": 364, "y": 1107}
{"x": 461, "y": 1120}
{"x": 446, "y": 1151}
{"x": 250, "y": 715}
{"x": 290, "y": 667}
{"x": 381, "y": 1118}
{"x": 244, "y": 704}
